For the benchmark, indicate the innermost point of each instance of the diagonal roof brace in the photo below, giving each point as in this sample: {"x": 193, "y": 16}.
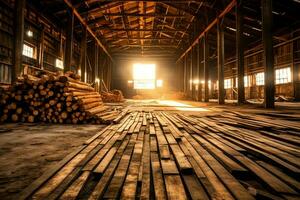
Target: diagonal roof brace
{"x": 69, "y": 4}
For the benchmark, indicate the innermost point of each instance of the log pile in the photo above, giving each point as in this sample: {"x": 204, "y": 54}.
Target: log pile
{"x": 112, "y": 96}
{"x": 52, "y": 99}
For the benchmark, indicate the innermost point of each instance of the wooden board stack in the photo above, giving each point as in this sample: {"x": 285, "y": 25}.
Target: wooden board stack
{"x": 53, "y": 99}
{"x": 112, "y": 96}
{"x": 161, "y": 155}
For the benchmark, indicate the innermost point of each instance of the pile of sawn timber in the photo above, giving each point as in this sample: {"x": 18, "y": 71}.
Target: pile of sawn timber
{"x": 161, "y": 155}
{"x": 53, "y": 99}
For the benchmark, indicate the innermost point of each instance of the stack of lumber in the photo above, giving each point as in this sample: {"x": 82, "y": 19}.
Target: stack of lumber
{"x": 53, "y": 99}
{"x": 112, "y": 96}
{"x": 161, "y": 155}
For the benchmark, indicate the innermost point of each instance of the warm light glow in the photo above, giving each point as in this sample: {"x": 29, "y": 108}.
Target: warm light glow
{"x": 196, "y": 81}
{"x": 144, "y": 76}
{"x": 97, "y": 80}
{"x": 180, "y": 106}
{"x": 130, "y": 81}
{"x": 29, "y": 33}
{"x": 85, "y": 76}
{"x": 159, "y": 83}
{"x": 79, "y": 72}
{"x": 202, "y": 82}
{"x": 59, "y": 63}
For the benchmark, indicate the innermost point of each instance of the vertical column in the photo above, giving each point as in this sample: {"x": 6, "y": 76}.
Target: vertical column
{"x": 268, "y": 53}
{"x": 205, "y": 67}
{"x": 240, "y": 51}
{"x": 41, "y": 48}
{"x": 69, "y": 42}
{"x": 184, "y": 74}
{"x": 199, "y": 72}
{"x": 83, "y": 55}
{"x": 191, "y": 75}
{"x": 19, "y": 39}
{"x": 221, "y": 62}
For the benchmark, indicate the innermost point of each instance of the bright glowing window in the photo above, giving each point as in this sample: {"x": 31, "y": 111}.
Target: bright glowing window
{"x": 227, "y": 83}
{"x": 59, "y": 63}
{"x": 283, "y": 75}
{"x": 159, "y": 83}
{"x": 144, "y": 76}
{"x": 27, "y": 51}
{"x": 260, "y": 78}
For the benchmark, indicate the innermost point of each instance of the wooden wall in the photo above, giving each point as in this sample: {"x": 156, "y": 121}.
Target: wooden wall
{"x": 49, "y": 43}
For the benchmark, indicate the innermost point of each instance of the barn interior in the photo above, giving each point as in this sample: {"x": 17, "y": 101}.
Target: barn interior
{"x": 150, "y": 99}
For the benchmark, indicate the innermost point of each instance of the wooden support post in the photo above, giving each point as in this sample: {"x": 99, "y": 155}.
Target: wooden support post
{"x": 205, "y": 66}
{"x": 19, "y": 39}
{"x": 268, "y": 53}
{"x": 83, "y": 47}
{"x": 240, "y": 51}
{"x": 69, "y": 42}
{"x": 184, "y": 74}
{"x": 191, "y": 75}
{"x": 221, "y": 61}
{"x": 199, "y": 73}
{"x": 41, "y": 48}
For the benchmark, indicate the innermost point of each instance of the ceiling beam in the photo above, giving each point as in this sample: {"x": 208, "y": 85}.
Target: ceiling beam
{"x": 82, "y": 21}
{"x": 139, "y": 30}
{"x": 213, "y": 23}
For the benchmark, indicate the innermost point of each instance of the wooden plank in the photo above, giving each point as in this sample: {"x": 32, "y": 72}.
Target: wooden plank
{"x": 157, "y": 178}
{"x": 169, "y": 167}
{"x": 114, "y": 187}
{"x": 74, "y": 189}
{"x": 130, "y": 185}
{"x": 194, "y": 187}
{"x": 284, "y": 177}
{"x": 174, "y": 187}
{"x": 145, "y": 171}
{"x": 107, "y": 176}
{"x": 164, "y": 152}
{"x": 184, "y": 165}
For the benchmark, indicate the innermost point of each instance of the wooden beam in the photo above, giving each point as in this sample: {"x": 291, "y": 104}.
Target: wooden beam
{"x": 240, "y": 50}
{"x": 214, "y": 22}
{"x": 19, "y": 39}
{"x": 220, "y": 44}
{"x": 158, "y": 1}
{"x": 41, "y": 48}
{"x": 205, "y": 66}
{"x": 69, "y": 42}
{"x": 82, "y": 21}
{"x": 139, "y": 30}
{"x": 199, "y": 71}
{"x": 83, "y": 46}
{"x": 267, "y": 21}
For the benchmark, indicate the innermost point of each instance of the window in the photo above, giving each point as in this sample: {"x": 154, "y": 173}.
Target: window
{"x": 144, "y": 76}
{"x": 227, "y": 83}
{"x": 27, "y": 51}
{"x": 59, "y": 63}
{"x": 159, "y": 83}
{"x": 283, "y": 75}
{"x": 260, "y": 78}
{"x": 247, "y": 81}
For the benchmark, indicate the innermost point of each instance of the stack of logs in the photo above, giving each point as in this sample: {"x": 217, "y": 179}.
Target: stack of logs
{"x": 52, "y": 99}
{"x": 112, "y": 96}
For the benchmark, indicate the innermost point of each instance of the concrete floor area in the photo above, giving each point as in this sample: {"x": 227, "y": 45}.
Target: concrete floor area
{"x": 28, "y": 150}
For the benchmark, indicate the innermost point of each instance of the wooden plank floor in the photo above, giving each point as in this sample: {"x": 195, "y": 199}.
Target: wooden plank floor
{"x": 169, "y": 155}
